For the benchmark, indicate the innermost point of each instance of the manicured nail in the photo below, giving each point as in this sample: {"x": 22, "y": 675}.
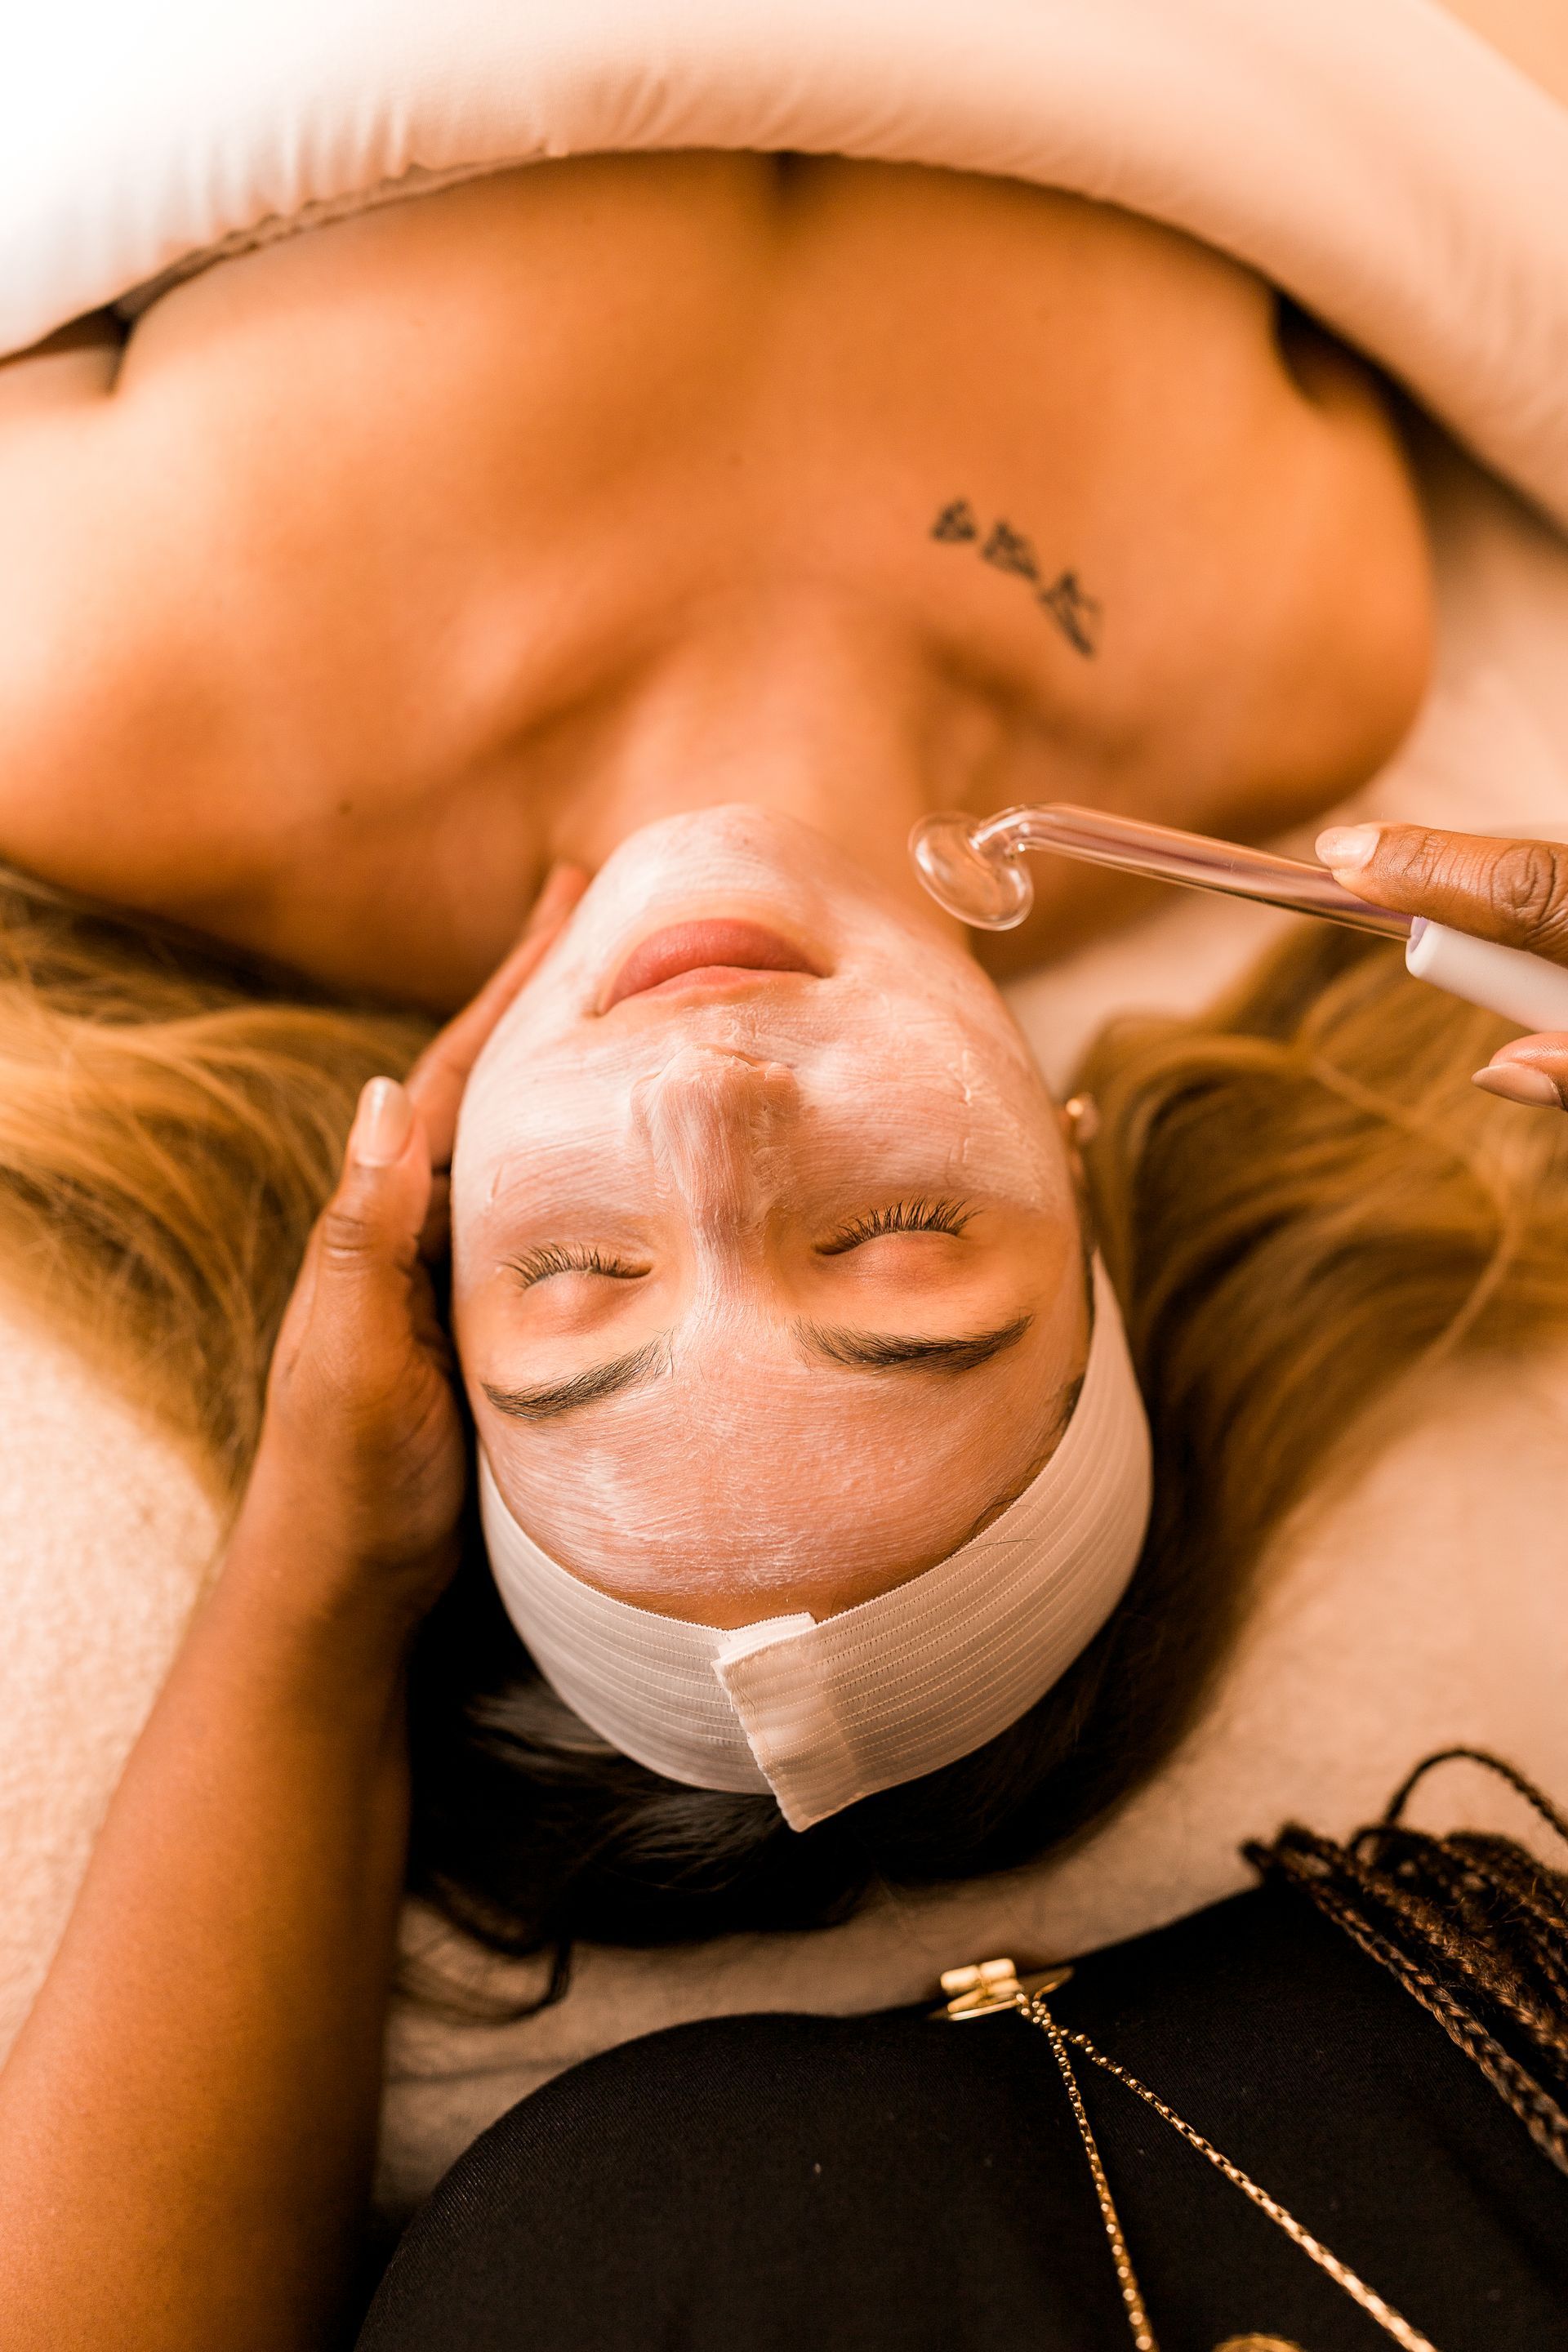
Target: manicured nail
{"x": 1516, "y": 1082}
{"x": 1346, "y": 846}
{"x": 382, "y": 1124}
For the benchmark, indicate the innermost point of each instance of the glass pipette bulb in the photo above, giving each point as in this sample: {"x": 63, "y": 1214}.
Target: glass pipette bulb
{"x": 974, "y": 867}
{"x": 987, "y": 886}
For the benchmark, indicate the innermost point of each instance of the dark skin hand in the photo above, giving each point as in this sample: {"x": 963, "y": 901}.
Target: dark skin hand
{"x": 187, "y": 2120}
{"x": 1515, "y": 892}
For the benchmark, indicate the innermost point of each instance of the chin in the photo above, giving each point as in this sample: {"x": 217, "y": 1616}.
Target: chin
{"x": 733, "y": 844}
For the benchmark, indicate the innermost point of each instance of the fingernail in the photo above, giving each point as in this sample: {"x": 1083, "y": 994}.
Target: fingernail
{"x": 1348, "y": 846}
{"x": 382, "y": 1124}
{"x": 1516, "y": 1082}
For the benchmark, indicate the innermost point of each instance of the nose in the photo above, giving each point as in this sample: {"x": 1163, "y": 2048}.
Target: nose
{"x": 715, "y": 1120}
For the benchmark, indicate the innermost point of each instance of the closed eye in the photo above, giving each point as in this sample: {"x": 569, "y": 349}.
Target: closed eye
{"x": 539, "y": 1265}
{"x": 921, "y": 1215}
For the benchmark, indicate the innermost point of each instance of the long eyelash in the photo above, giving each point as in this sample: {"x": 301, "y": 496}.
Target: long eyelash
{"x": 538, "y": 1266}
{"x": 917, "y": 1216}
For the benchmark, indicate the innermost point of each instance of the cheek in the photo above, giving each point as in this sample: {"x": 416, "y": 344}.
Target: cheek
{"x": 466, "y": 1195}
{"x": 509, "y": 1112}
{"x": 532, "y": 1141}
{"x": 964, "y": 1101}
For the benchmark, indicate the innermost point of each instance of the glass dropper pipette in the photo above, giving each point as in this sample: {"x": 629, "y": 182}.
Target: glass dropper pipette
{"x": 974, "y": 867}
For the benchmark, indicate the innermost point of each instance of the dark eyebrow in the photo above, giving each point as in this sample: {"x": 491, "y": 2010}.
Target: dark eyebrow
{"x": 644, "y": 1364}
{"x": 886, "y": 1351}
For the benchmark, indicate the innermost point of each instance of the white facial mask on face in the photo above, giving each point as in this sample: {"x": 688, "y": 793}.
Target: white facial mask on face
{"x": 722, "y": 1143}
{"x": 824, "y": 1713}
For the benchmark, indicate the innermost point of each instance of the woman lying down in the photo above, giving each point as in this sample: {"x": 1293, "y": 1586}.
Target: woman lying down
{"x": 628, "y": 552}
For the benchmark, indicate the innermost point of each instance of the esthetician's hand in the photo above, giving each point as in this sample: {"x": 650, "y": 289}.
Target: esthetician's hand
{"x": 358, "y": 1482}
{"x": 188, "y": 2121}
{"x": 1515, "y": 892}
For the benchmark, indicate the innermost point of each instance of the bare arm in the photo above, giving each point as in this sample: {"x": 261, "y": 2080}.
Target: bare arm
{"x": 187, "y": 2120}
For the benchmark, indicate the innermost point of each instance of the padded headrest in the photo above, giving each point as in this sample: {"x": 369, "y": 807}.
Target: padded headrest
{"x": 1372, "y": 157}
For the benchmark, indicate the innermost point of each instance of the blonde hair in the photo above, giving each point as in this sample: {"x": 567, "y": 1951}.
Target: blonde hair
{"x": 1304, "y": 1203}
{"x": 171, "y": 1121}
{"x": 1301, "y": 1200}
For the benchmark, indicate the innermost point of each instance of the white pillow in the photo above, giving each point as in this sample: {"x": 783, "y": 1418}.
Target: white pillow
{"x": 1371, "y": 156}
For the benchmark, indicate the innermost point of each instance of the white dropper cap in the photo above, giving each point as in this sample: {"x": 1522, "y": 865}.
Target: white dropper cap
{"x": 1522, "y": 987}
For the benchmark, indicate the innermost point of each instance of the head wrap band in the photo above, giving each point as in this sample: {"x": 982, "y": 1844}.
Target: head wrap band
{"x": 823, "y": 1714}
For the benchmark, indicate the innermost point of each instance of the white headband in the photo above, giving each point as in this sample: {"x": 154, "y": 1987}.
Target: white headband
{"x": 883, "y": 1693}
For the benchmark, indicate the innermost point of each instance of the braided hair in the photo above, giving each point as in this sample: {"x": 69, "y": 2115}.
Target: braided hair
{"x": 1474, "y": 1927}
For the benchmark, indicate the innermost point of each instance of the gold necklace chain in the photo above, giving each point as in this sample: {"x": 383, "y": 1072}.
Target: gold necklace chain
{"x": 1034, "y": 2008}
{"x": 1038, "y": 2014}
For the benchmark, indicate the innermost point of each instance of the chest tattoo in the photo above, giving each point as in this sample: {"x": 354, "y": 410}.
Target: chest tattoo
{"x": 1075, "y": 613}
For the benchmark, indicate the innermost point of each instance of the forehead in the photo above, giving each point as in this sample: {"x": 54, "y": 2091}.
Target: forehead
{"x": 740, "y": 1469}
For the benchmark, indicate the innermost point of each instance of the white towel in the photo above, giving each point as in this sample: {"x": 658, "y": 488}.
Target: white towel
{"x": 1374, "y": 157}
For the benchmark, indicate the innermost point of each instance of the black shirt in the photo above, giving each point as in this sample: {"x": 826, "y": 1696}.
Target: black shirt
{"x": 889, "y": 2184}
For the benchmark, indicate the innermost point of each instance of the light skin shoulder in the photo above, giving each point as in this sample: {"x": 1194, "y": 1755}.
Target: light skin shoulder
{"x": 404, "y": 556}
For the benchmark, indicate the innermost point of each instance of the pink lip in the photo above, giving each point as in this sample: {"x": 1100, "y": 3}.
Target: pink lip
{"x": 714, "y": 950}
